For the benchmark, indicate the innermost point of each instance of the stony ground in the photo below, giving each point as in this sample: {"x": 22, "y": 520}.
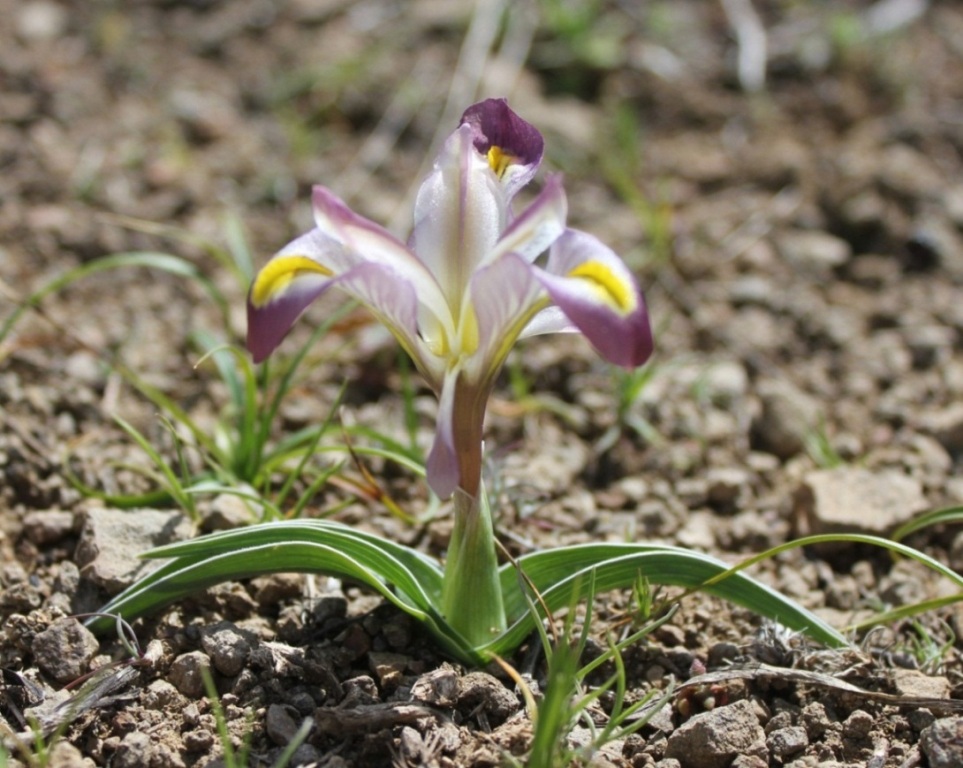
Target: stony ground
{"x": 801, "y": 246}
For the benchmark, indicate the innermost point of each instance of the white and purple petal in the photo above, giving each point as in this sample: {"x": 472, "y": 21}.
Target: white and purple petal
{"x": 297, "y": 275}
{"x": 597, "y": 292}
{"x": 513, "y": 146}
{"x": 394, "y": 301}
{"x": 290, "y": 282}
{"x": 441, "y": 468}
{"x": 538, "y": 226}
{"x": 505, "y": 296}
{"x": 364, "y": 241}
{"x": 549, "y": 320}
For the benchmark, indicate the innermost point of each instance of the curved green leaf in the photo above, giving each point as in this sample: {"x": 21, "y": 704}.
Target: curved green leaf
{"x": 555, "y": 573}
{"x": 417, "y": 574}
{"x": 407, "y": 579}
{"x": 906, "y": 611}
{"x": 316, "y": 546}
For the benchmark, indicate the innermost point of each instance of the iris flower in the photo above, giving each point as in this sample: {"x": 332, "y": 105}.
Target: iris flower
{"x": 469, "y": 282}
{"x": 473, "y": 278}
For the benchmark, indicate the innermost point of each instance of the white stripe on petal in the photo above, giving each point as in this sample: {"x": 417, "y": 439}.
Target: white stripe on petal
{"x": 460, "y": 211}
{"x": 549, "y": 320}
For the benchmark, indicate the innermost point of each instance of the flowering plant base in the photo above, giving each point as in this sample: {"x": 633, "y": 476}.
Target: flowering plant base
{"x": 414, "y": 583}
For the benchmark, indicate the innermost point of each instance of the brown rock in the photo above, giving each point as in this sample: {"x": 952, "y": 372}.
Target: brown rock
{"x": 856, "y": 500}
{"x": 714, "y": 739}
{"x": 912, "y": 682}
{"x": 64, "y": 650}
{"x": 787, "y": 418}
{"x": 112, "y": 540}
{"x": 942, "y": 743}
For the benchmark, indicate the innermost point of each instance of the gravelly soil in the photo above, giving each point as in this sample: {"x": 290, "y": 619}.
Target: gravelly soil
{"x": 802, "y": 253}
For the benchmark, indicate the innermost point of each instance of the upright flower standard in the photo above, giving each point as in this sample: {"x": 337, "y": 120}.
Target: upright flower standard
{"x": 457, "y": 297}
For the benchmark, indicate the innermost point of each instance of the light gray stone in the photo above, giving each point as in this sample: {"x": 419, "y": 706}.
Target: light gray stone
{"x": 63, "y": 754}
{"x": 437, "y": 688}
{"x": 813, "y": 249}
{"x": 40, "y": 21}
{"x": 138, "y": 749}
{"x": 856, "y": 500}
{"x": 226, "y": 511}
{"x": 945, "y": 425}
{"x": 112, "y": 540}
{"x": 915, "y": 684}
{"x": 64, "y": 649}
{"x": 725, "y": 382}
{"x": 714, "y": 739}
{"x": 786, "y": 420}
{"x": 47, "y": 526}
{"x": 186, "y": 673}
{"x": 942, "y": 743}
{"x": 786, "y": 742}
{"x": 227, "y": 646}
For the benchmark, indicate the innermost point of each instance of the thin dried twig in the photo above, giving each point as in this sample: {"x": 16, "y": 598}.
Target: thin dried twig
{"x": 369, "y": 718}
{"x": 751, "y": 41}
{"x": 818, "y": 680}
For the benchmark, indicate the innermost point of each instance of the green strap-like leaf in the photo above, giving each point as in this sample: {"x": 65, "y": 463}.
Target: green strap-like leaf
{"x": 316, "y": 546}
{"x": 555, "y": 573}
{"x": 357, "y": 543}
{"x": 294, "y": 546}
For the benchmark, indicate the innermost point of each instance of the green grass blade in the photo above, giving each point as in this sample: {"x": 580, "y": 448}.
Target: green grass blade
{"x": 906, "y": 611}
{"x": 241, "y": 261}
{"x": 936, "y": 517}
{"x": 184, "y": 576}
{"x": 367, "y": 450}
{"x": 167, "y": 405}
{"x": 269, "y": 413}
{"x": 210, "y": 487}
{"x": 306, "y": 457}
{"x": 156, "y": 498}
{"x": 408, "y": 401}
{"x": 364, "y": 546}
{"x": 174, "y": 485}
{"x": 165, "y": 262}
{"x": 851, "y": 538}
{"x": 291, "y": 447}
{"x": 390, "y": 445}
{"x": 314, "y": 486}
{"x": 219, "y": 354}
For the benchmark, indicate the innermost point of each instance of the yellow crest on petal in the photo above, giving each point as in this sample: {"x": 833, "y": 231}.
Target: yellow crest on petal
{"x": 279, "y": 273}
{"x": 499, "y": 160}
{"x": 610, "y": 287}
